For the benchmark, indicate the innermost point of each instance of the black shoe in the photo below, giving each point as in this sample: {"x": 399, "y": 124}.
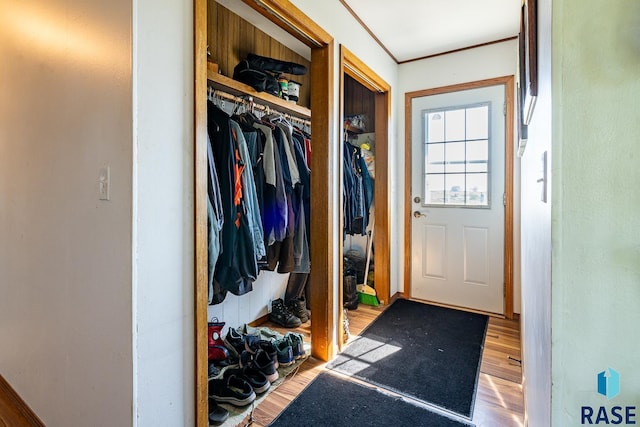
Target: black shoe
{"x": 234, "y": 341}
{"x": 233, "y": 390}
{"x": 281, "y": 315}
{"x": 264, "y": 363}
{"x": 350, "y": 298}
{"x": 213, "y": 370}
{"x": 253, "y": 376}
{"x": 261, "y": 361}
{"x": 298, "y": 307}
{"x": 217, "y": 414}
{"x": 270, "y": 349}
{"x": 252, "y": 342}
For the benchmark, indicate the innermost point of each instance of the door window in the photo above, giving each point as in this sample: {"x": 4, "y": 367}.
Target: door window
{"x": 456, "y": 153}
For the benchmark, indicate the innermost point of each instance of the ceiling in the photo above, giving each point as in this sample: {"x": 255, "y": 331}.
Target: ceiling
{"x": 412, "y": 29}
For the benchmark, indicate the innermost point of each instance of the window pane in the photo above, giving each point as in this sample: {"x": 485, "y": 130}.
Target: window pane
{"x": 456, "y": 156}
{"x": 478, "y": 122}
{"x": 477, "y": 189}
{"x": 434, "y": 189}
{"x": 435, "y": 127}
{"x": 454, "y": 125}
{"x": 478, "y": 156}
{"x": 435, "y": 158}
{"x": 454, "y": 152}
{"x": 455, "y": 189}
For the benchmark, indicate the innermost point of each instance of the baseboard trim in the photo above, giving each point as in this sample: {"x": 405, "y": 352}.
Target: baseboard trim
{"x": 18, "y": 412}
{"x": 260, "y": 321}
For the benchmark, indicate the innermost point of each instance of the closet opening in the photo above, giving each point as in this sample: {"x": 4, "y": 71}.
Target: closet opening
{"x": 222, "y": 39}
{"x": 365, "y": 247}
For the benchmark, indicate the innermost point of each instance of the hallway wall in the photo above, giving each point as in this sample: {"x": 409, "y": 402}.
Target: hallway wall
{"x": 65, "y": 255}
{"x": 596, "y": 227}
{"x": 536, "y": 239}
{"x": 163, "y": 214}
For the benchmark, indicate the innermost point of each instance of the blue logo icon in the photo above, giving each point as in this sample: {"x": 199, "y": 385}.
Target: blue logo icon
{"x": 609, "y": 383}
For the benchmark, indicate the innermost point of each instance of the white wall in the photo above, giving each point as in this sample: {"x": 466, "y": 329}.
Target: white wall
{"x": 596, "y": 227}
{"x": 65, "y": 256}
{"x": 536, "y": 240}
{"x": 494, "y": 60}
{"x": 163, "y": 218}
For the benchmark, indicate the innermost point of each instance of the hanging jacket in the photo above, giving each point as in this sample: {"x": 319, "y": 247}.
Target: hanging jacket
{"x": 236, "y": 267}
{"x": 249, "y": 192}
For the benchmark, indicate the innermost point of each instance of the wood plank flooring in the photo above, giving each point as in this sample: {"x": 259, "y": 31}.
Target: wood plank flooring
{"x": 499, "y": 399}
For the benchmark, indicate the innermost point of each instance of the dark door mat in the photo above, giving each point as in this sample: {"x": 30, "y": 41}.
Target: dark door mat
{"x": 332, "y": 401}
{"x": 423, "y": 351}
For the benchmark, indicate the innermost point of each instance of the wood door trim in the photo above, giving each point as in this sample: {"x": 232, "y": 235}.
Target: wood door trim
{"x": 287, "y": 16}
{"x": 200, "y": 205}
{"x": 354, "y": 67}
{"x": 351, "y": 65}
{"x": 294, "y": 21}
{"x": 508, "y": 82}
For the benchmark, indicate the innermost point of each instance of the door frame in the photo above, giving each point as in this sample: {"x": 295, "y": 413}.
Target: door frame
{"x": 287, "y": 16}
{"x": 508, "y": 82}
{"x": 351, "y": 65}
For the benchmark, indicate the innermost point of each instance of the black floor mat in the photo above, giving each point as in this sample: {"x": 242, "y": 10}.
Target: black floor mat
{"x": 332, "y": 401}
{"x": 423, "y": 351}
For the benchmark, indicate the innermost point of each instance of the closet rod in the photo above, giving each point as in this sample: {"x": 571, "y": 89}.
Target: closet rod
{"x": 248, "y": 101}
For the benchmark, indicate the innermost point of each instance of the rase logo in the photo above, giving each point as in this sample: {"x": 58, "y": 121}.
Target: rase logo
{"x": 609, "y": 383}
{"x": 608, "y": 386}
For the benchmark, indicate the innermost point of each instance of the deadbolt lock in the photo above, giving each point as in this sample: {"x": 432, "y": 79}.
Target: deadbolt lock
{"x": 417, "y": 199}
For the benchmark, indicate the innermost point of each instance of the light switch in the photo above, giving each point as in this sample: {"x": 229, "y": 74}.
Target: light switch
{"x": 104, "y": 183}
{"x": 543, "y": 178}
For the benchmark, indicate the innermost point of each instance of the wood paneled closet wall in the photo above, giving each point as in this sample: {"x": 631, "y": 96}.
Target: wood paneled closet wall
{"x": 230, "y": 38}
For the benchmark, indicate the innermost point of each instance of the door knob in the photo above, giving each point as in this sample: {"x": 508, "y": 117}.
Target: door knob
{"x": 418, "y": 214}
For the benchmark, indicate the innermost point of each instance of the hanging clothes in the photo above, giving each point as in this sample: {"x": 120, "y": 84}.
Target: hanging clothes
{"x": 236, "y": 267}
{"x": 258, "y": 200}
{"x": 249, "y": 191}
{"x": 357, "y": 190}
{"x": 215, "y": 220}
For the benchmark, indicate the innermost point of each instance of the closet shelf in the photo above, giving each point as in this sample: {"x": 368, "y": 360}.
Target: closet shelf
{"x": 352, "y": 129}
{"x": 226, "y": 84}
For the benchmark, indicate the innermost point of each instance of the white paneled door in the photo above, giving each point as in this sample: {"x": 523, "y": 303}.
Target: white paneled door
{"x": 457, "y": 228}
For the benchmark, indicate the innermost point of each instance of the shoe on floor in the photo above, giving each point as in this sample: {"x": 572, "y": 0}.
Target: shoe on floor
{"x": 252, "y": 342}
{"x": 281, "y": 315}
{"x": 298, "y": 307}
{"x": 297, "y": 344}
{"x": 268, "y": 347}
{"x": 264, "y": 363}
{"x": 234, "y": 341}
{"x": 252, "y": 375}
{"x": 233, "y": 390}
{"x": 285, "y": 352}
{"x": 217, "y": 414}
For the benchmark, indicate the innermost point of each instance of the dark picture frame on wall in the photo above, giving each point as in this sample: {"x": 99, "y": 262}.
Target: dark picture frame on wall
{"x": 528, "y": 39}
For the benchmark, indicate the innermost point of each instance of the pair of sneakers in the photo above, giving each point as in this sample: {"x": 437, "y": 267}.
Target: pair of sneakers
{"x": 290, "y": 348}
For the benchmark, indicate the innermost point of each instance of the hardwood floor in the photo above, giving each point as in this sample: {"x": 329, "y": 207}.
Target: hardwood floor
{"x": 499, "y": 398}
